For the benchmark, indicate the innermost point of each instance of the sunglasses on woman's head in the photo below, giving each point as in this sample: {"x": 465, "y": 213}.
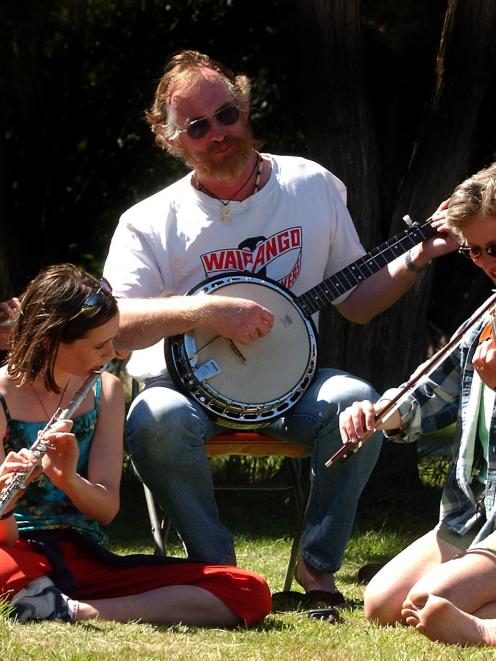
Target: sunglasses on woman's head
{"x": 198, "y": 128}
{"x": 94, "y": 298}
{"x": 474, "y": 252}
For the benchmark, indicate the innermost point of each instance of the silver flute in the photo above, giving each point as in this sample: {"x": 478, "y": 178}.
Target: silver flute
{"x": 41, "y": 446}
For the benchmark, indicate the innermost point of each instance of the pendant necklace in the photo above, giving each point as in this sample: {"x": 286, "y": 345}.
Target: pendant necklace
{"x": 41, "y": 401}
{"x": 225, "y": 209}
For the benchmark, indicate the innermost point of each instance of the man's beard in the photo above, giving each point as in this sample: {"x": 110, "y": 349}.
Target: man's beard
{"x": 229, "y": 166}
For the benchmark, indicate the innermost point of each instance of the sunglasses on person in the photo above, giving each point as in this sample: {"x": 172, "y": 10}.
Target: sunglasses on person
{"x": 198, "y": 128}
{"x": 95, "y": 298}
{"x": 474, "y": 252}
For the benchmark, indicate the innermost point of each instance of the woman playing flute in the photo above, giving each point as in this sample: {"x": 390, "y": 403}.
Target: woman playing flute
{"x": 444, "y": 584}
{"x": 53, "y": 560}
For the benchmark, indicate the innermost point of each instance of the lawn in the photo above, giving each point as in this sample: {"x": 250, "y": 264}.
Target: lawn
{"x": 262, "y": 523}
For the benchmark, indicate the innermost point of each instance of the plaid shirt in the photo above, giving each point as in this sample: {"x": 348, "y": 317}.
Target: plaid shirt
{"x": 452, "y": 393}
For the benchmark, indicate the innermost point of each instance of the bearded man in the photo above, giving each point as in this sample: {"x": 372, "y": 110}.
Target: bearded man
{"x": 238, "y": 209}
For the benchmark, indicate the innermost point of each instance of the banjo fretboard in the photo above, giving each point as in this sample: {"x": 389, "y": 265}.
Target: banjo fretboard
{"x": 352, "y": 275}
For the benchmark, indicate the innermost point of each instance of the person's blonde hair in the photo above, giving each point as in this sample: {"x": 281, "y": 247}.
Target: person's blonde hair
{"x": 476, "y": 196}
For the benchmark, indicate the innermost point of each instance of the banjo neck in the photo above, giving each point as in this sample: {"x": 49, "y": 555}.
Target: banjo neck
{"x": 352, "y": 275}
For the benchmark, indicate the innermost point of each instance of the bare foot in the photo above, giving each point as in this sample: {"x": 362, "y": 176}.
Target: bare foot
{"x": 313, "y": 579}
{"x": 439, "y": 619}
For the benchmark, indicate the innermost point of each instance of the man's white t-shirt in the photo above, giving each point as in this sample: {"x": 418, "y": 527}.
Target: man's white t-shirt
{"x": 295, "y": 230}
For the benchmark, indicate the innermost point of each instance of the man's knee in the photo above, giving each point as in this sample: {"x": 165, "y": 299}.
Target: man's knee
{"x": 157, "y": 424}
{"x": 357, "y": 390}
{"x": 343, "y": 389}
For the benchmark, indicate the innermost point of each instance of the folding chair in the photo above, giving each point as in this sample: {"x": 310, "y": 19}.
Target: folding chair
{"x": 253, "y": 444}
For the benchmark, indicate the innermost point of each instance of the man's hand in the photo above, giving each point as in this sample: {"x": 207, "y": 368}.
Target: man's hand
{"x": 441, "y": 243}
{"x": 237, "y": 319}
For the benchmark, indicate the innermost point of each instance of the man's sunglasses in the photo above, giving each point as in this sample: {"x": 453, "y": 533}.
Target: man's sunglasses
{"x": 95, "y": 298}
{"x": 474, "y": 252}
{"x": 198, "y": 128}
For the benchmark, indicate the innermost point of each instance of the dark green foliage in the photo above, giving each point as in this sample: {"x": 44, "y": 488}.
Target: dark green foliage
{"x": 76, "y": 79}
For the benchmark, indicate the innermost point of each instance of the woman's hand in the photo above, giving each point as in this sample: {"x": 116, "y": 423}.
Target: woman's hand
{"x": 17, "y": 462}
{"x": 360, "y": 419}
{"x": 356, "y": 420}
{"x": 484, "y": 361}
{"x": 14, "y": 463}
{"x": 60, "y": 461}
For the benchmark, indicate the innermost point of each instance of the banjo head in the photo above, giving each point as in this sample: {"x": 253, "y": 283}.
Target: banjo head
{"x": 247, "y": 384}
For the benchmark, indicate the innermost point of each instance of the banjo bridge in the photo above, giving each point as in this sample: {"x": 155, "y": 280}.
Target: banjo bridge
{"x": 237, "y": 351}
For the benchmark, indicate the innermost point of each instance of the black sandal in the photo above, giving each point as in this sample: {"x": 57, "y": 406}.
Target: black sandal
{"x": 330, "y": 615}
{"x": 290, "y": 600}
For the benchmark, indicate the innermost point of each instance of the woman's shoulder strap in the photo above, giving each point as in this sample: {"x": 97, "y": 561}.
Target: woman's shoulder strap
{"x": 3, "y": 403}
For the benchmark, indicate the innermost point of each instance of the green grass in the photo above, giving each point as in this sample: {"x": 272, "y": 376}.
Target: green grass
{"x": 262, "y": 524}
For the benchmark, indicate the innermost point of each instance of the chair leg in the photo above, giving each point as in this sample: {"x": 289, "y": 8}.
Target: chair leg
{"x": 159, "y": 527}
{"x": 301, "y": 500}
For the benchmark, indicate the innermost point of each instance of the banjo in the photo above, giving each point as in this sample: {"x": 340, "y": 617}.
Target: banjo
{"x": 249, "y": 386}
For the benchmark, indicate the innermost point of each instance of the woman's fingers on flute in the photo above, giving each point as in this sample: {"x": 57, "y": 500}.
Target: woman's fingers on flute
{"x": 59, "y": 441}
{"x": 356, "y": 420}
{"x": 63, "y": 426}
{"x": 16, "y": 462}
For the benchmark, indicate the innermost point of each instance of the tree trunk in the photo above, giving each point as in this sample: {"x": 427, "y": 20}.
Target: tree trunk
{"x": 341, "y": 135}
{"x": 339, "y": 127}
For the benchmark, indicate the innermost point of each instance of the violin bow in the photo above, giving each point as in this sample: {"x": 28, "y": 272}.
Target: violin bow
{"x": 350, "y": 448}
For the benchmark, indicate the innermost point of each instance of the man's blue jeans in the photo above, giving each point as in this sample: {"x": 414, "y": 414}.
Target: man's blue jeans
{"x": 166, "y": 432}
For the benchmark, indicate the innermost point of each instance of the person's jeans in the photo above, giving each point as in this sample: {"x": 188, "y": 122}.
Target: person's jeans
{"x": 166, "y": 431}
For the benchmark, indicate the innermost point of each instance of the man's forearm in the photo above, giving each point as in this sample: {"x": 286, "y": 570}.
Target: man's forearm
{"x": 379, "y": 292}
{"x": 145, "y": 321}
